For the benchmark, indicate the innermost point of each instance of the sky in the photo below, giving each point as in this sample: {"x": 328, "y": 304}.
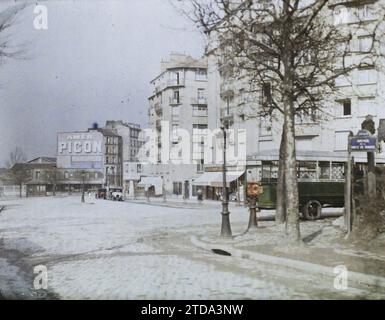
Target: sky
{"x": 93, "y": 63}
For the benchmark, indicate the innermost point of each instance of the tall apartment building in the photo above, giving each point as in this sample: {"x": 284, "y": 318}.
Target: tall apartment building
{"x": 179, "y": 101}
{"x": 132, "y": 141}
{"x": 321, "y": 144}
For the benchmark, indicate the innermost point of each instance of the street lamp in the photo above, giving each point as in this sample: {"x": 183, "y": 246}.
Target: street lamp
{"x": 83, "y": 177}
{"x": 226, "y": 228}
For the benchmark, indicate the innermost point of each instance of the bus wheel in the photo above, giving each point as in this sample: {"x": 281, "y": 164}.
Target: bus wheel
{"x": 312, "y": 210}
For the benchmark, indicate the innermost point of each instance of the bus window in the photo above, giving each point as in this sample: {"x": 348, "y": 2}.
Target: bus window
{"x": 307, "y": 170}
{"x": 338, "y": 171}
{"x": 324, "y": 170}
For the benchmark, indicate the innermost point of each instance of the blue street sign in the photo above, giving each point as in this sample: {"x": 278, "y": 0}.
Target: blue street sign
{"x": 363, "y": 141}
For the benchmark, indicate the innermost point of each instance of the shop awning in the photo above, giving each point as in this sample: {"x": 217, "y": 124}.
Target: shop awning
{"x": 156, "y": 182}
{"x": 215, "y": 179}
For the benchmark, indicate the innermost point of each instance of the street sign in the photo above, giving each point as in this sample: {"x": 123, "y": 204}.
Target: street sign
{"x": 363, "y": 141}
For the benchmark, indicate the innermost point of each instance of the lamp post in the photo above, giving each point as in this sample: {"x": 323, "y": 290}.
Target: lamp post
{"x": 226, "y": 228}
{"x": 83, "y": 177}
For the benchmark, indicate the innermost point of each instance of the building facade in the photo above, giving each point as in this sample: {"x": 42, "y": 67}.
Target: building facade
{"x": 92, "y": 157}
{"x": 178, "y": 109}
{"x": 132, "y": 142}
{"x": 321, "y": 144}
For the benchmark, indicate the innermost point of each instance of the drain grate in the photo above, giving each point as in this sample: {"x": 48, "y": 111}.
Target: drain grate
{"x": 221, "y": 252}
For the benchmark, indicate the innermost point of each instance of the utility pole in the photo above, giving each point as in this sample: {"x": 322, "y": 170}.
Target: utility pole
{"x": 226, "y": 228}
{"x": 348, "y": 188}
{"x": 83, "y": 177}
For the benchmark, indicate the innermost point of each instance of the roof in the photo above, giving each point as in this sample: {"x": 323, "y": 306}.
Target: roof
{"x": 43, "y": 160}
{"x": 105, "y": 132}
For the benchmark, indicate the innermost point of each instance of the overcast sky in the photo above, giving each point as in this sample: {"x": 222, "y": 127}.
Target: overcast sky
{"x": 94, "y": 63}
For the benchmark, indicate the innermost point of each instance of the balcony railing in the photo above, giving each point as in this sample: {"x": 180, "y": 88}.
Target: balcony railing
{"x": 174, "y": 101}
{"x": 227, "y": 89}
{"x": 175, "y": 83}
{"x": 199, "y": 101}
{"x": 200, "y": 113}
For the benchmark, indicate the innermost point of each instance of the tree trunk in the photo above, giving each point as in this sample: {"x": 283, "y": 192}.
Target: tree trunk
{"x": 290, "y": 172}
{"x": 280, "y": 215}
{"x": 20, "y": 190}
{"x": 291, "y": 182}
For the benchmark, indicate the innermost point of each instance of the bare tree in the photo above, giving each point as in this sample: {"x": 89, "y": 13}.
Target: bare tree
{"x": 292, "y": 52}
{"x": 20, "y": 174}
{"x": 16, "y": 156}
{"x": 7, "y": 19}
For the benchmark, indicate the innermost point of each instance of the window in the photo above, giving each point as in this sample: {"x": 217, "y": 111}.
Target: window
{"x": 324, "y": 169}
{"x": 344, "y": 108}
{"x": 266, "y": 92}
{"x": 199, "y": 111}
{"x": 138, "y": 168}
{"x": 176, "y": 97}
{"x": 66, "y": 175}
{"x": 366, "y": 106}
{"x": 242, "y": 97}
{"x": 177, "y": 188}
{"x": 265, "y": 125}
{"x": 307, "y": 170}
{"x": 37, "y": 175}
{"x": 341, "y": 15}
{"x": 367, "y": 76}
{"x": 365, "y": 13}
{"x": 365, "y": 43}
{"x": 201, "y": 96}
{"x": 201, "y": 74}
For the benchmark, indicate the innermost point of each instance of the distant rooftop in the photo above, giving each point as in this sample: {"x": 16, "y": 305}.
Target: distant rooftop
{"x": 114, "y": 123}
{"x": 180, "y": 60}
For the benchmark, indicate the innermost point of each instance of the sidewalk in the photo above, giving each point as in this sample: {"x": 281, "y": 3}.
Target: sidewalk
{"x": 323, "y": 251}
{"x": 180, "y": 202}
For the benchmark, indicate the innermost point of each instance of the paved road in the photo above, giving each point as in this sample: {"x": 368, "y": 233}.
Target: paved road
{"x": 104, "y": 249}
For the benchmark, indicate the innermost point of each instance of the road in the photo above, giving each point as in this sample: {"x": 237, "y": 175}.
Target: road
{"x": 112, "y": 250}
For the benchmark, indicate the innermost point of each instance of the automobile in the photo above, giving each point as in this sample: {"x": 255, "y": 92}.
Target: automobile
{"x": 313, "y": 196}
{"x": 116, "y": 194}
{"x": 101, "y": 193}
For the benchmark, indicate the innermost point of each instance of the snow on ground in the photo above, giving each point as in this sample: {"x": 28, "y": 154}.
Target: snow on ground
{"x": 95, "y": 250}
{"x": 112, "y": 250}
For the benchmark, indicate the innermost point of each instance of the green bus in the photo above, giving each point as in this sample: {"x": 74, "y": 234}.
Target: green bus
{"x": 320, "y": 184}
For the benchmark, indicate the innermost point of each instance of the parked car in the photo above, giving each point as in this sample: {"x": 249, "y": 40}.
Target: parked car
{"x": 116, "y": 194}
{"x": 101, "y": 193}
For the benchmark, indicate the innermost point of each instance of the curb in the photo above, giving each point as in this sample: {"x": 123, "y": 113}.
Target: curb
{"x": 358, "y": 277}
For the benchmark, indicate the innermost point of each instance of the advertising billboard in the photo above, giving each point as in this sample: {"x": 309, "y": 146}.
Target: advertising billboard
{"x": 80, "y": 150}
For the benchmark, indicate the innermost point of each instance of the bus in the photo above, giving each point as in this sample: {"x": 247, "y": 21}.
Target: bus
{"x": 320, "y": 184}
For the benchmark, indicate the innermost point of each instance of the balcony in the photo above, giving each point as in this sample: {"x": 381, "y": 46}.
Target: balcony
{"x": 307, "y": 130}
{"x": 158, "y": 124}
{"x": 200, "y": 113}
{"x": 227, "y": 90}
{"x": 199, "y": 101}
{"x": 174, "y": 101}
{"x": 175, "y": 83}
{"x": 158, "y": 109}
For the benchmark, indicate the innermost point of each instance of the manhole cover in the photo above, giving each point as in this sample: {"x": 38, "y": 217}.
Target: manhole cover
{"x": 221, "y": 252}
